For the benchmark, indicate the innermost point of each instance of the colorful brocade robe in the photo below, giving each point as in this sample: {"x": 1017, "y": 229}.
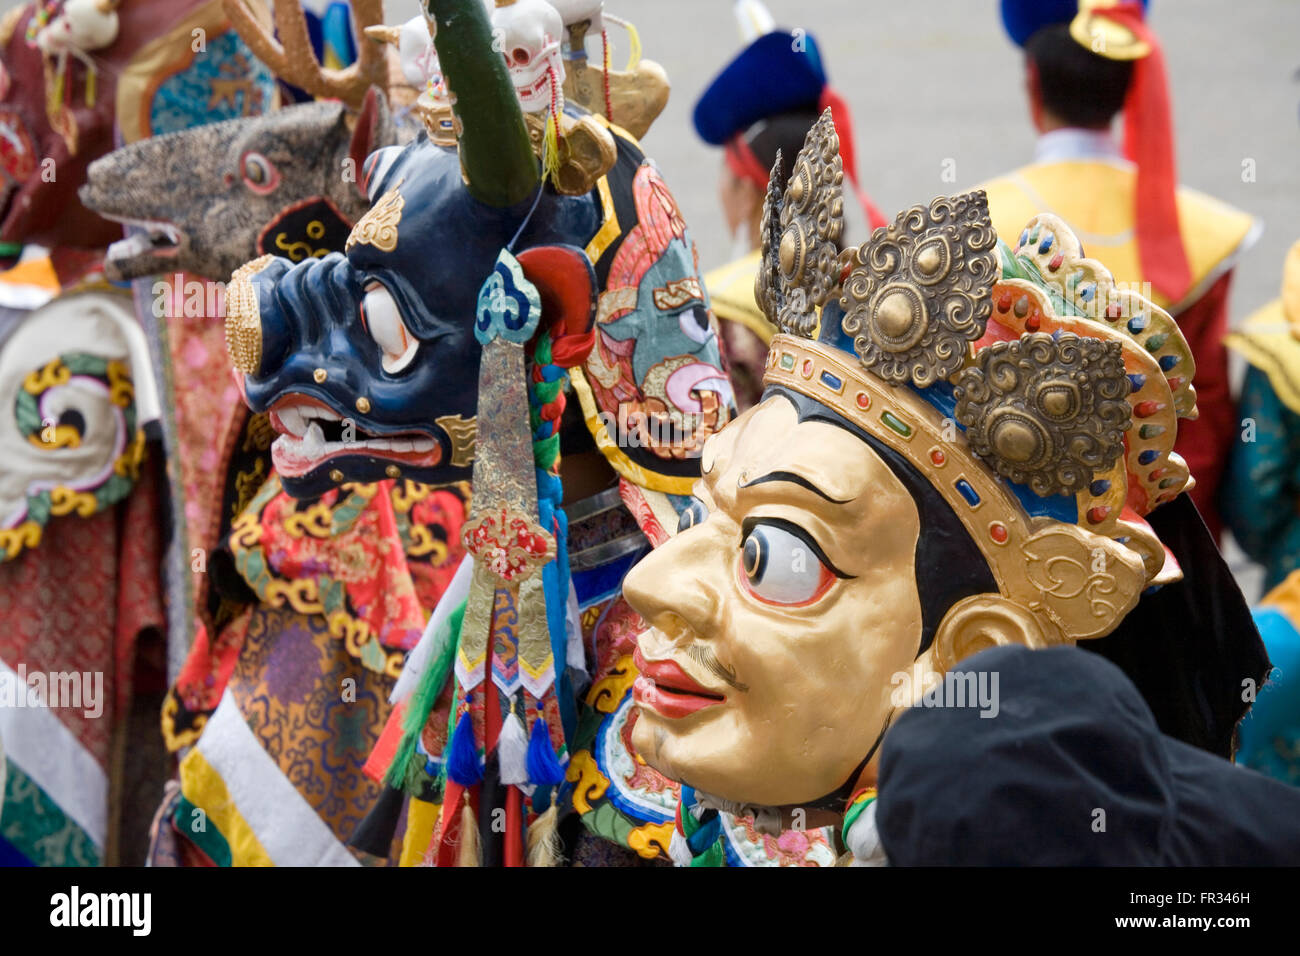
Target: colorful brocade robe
{"x": 280, "y": 711}
{"x": 80, "y": 550}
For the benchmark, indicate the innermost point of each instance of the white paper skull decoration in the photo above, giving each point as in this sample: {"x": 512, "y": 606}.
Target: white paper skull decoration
{"x": 528, "y": 34}
{"x": 418, "y": 57}
{"x": 81, "y": 26}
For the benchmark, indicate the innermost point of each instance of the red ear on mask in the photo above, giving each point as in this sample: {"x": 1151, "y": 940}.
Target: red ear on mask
{"x": 373, "y": 131}
{"x": 566, "y": 283}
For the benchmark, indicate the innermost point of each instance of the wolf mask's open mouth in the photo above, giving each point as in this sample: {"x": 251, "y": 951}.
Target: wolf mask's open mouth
{"x": 144, "y": 252}
{"x": 312, "y": 434}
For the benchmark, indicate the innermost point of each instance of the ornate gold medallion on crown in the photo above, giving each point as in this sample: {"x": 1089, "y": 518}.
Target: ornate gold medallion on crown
{"x": 1006, "y": 376}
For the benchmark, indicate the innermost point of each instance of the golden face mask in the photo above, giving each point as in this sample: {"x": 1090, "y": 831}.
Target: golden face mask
{"x": 801, "y": 537}
{"x": 960, "y": 459}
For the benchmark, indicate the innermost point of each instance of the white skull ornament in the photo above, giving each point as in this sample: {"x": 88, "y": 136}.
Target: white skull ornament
{"x": 528, "y": 32}
{"x": 418, "y": 56}
{"x": 80, "y": 27}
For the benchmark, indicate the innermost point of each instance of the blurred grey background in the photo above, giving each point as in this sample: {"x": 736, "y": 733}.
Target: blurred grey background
{"x": 940, "y": 80}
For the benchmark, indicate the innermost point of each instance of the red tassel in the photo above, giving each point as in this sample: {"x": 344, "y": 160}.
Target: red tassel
{"x": 844, "y": 130}
{"x": 1149, "y": 143}
{"x": 514, "y": 828}
{"x": 742, "y": 161}
{"x": 449, "y": 829}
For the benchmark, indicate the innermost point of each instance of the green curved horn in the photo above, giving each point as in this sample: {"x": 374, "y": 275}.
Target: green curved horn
{"x": 495, "y": 151}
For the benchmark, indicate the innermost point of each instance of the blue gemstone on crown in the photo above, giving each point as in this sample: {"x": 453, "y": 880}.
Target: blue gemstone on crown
{"x": 968, "y": 492}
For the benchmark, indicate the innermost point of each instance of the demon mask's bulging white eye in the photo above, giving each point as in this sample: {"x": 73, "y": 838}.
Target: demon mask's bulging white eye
{"x": 383, "y": 320}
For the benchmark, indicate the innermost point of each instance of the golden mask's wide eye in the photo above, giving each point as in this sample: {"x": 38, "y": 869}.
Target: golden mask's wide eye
{"x": 381, "y": 318}
{"x": 781, "y": 565}
{"x": 694, "y": 514}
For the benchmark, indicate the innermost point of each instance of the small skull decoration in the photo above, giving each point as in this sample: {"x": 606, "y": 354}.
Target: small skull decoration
{"x": 527, "y": 32}
{"x": 80, "y": 27}
{"x": 419, "y": 59}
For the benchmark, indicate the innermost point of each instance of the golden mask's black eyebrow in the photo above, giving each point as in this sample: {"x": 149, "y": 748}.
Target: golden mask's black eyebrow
{"x": 794, "y": 479}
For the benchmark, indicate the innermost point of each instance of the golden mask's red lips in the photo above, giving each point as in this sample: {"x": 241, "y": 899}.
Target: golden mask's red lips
{"x": 668, "y": 690}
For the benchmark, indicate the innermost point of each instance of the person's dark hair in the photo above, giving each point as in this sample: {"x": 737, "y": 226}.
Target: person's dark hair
{"x": 949, "y": 566}
{"x": 1078, "y": 86}
{"x": 783, "y": 131}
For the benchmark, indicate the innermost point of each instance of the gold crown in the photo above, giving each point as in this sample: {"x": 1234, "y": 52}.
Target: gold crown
{"x": 1063, "y": 383}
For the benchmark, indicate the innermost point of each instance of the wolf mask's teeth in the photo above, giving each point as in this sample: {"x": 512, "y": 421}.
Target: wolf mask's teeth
{"x": 149, "y": 239}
